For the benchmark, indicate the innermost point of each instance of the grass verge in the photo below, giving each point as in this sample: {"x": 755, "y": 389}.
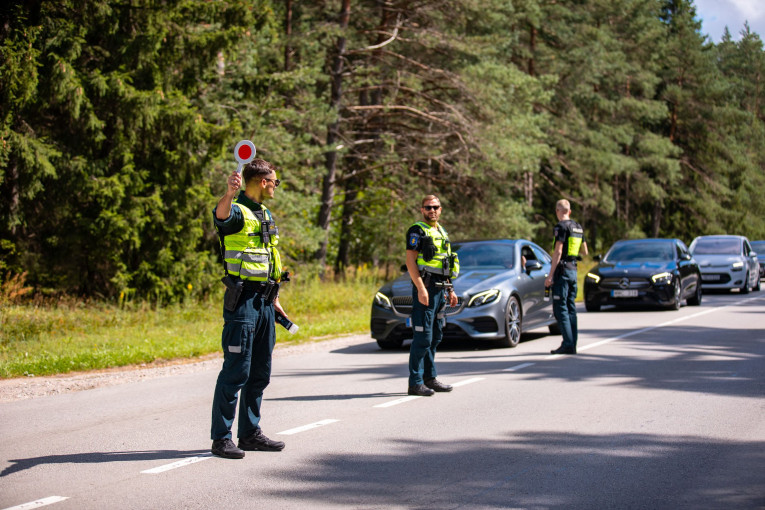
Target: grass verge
{"x": 37, "y": 340}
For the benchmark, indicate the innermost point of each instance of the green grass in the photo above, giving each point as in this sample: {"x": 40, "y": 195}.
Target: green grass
{"x": 36, "y": 340}
{"x": 46, "y": 340}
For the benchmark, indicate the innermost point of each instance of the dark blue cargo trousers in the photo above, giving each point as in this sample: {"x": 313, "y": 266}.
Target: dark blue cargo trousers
{"x": 248, "y": 341}
{"x": 427, "y": 334}
{"x": 564, "y": 306}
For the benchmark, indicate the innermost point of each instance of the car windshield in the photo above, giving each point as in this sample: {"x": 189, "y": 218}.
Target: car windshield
{"x": 724, "y": 246}
{"x": 493, "y": 255}
{"x": 649, "y": 252}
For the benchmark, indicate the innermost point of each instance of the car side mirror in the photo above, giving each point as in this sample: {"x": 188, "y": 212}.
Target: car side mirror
{"x": 685, "y": 256}
{"x": 533, "y": 265}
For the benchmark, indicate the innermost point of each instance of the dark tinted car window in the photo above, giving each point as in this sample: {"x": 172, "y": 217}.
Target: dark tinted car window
{"x": 658, "y": 252}
{"x": 485, "y": 254}
{"x": 717, "y": 247}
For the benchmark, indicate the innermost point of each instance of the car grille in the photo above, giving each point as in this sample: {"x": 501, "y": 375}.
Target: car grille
{"x": 403, "y": 305}
{"x": 618, "y": 283}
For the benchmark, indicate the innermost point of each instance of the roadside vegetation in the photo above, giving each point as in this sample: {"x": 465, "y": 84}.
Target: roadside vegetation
{"x": 46, "y": 337}
{"x": 53, "y": 337}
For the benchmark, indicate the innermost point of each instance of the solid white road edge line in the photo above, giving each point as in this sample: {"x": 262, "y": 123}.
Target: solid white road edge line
{"x": 310, "y": 426}
{"x": 518, "y": 367}
{"x": 180, "y": 463}
{"x": 37, "y": 504}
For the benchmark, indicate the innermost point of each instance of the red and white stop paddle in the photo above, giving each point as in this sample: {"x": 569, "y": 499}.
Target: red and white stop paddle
{"x": 244, "y": 152}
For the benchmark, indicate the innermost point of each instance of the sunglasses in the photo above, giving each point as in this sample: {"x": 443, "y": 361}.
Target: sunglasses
{"x": 276, "y": 182}
{"x": 431, "y": 207}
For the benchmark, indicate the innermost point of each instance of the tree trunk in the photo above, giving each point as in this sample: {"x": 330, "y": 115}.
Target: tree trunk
{"x": 288, "y": 34}
{"x": 656, "y": 223}
{"x": 328, "y": 184}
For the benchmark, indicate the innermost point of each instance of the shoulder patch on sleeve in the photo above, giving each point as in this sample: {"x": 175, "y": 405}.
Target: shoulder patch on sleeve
{"x": 413, "y": 241}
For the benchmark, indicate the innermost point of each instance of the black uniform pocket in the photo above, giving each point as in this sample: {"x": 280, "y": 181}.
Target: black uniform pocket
{"x": 237, "y": 337}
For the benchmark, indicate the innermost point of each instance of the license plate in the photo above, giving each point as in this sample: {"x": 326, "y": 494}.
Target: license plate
{"x": 710, "y": 277}
{"x": 624, "y": 293}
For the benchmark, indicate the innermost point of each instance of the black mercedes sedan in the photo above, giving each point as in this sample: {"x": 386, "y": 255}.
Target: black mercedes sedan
{"x": 500, "y": 292}
{"x": 644, "y": 272}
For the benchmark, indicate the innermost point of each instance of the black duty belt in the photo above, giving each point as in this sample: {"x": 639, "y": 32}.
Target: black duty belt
{"x": 255, "y": 286}
{"x": 569, "y": 264}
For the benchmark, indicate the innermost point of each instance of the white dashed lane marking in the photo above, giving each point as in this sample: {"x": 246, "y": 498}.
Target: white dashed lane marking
{"x": 310, "y": 426}
{"x": 180, "y": 463}
{"x": 398, "y": 401}
{"x": 38, "y": 503}
{"x": 518, "y": 367}
{"x": 468, "y": 381}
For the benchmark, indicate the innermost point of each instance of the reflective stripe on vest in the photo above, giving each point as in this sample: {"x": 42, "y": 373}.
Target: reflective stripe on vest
{"x": 246, "y": 256}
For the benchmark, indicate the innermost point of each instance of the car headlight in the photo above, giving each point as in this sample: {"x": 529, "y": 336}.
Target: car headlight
{"x": 662, "y": 278}
{"x": 484, "y": 297}
{"x": 738, "y": 266}
{"x": 383, "y": 301}
{"x": 592, "y": 276}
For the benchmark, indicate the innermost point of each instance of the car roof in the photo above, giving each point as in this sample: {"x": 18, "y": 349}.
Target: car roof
{"x": 648, "y": 240}
{"x": 507, "y": 241}
{"x": 721, "y": 236}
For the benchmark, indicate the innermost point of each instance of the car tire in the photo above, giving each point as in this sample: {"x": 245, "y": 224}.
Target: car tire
{"x": 389, "y": 344}
{"x": 513, "y": 323}
{"x": 591, "y": 306}
{"x": 554, "y": 328}
{"x": 757, "y": 287}
{"x": 695, "y": 300}
{"x": 746, "y": 288}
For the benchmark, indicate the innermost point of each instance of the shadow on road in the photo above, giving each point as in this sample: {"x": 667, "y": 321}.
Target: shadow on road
{"x": 682, "y": 357}
{"x": 99, "y": 457}
{"x": 538, "y": 470}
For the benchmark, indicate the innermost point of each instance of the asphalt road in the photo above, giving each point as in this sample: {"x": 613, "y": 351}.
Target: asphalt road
{"x": 660, "y": 409}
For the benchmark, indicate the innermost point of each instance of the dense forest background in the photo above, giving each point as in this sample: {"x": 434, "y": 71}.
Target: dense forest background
{"x": 119, "y": 120}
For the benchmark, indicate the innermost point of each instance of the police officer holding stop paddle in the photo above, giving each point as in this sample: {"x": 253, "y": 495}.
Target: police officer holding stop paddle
{"x": 253, "y": 273}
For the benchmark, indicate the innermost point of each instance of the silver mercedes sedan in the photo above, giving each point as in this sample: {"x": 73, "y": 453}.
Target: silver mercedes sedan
{"x": 501, "y": 295}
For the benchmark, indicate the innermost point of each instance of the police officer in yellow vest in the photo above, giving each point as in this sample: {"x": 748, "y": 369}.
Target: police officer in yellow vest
{"x": 431, "y": 265}
{"x": 252, "y": 272}
{"x": 569, "y": 240}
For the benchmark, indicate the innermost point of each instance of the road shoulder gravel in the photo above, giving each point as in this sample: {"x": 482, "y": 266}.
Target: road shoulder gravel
{"x": 23, "y": 388}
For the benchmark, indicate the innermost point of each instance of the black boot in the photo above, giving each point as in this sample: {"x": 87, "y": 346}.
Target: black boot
{"x": 258, "y": 441}
{"x": 227, "y": 449}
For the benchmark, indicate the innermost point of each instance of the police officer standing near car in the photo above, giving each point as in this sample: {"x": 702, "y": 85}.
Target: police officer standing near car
{"x": 431, "y": 265}
{"x": 253, "y": 271}
{"x": 569, "y": 240}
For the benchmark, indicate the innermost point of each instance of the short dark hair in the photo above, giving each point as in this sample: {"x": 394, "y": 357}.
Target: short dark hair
{"x": 257, "y": 169}
{"x": 428, "y": 198}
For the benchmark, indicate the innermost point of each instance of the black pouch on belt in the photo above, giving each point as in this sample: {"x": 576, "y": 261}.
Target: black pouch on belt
{"x": 234, "y": 289}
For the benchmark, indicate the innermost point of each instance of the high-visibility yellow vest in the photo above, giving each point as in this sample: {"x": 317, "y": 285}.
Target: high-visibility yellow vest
{"x": 443, "y": 253}
{"x": 574, "y": 241}
{"x": 246, "y": 256}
